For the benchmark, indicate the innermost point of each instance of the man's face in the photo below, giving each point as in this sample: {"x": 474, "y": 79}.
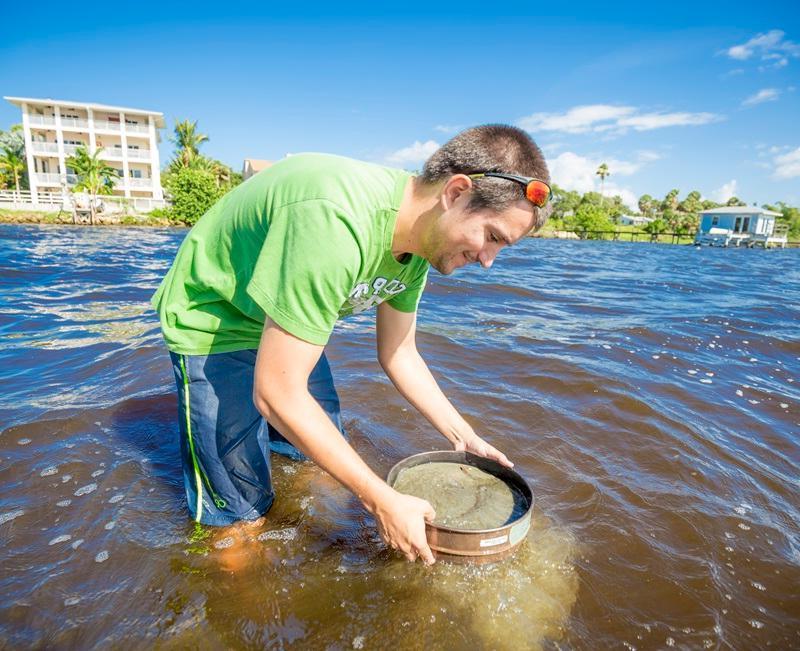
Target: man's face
{"x": 460, "y": 237}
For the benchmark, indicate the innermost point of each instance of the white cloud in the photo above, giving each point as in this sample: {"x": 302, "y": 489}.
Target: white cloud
{"x": 448, "y": 128}
{"x": 650, "y": 121}
{"x": 722, "y": 194}
{"x": 580, "y": 119}
{"x": 787, "y": 166}
{"x": 598, "y": 118}
{"x": 769, "y": 46}
{"x": 419, "y": 152}
{"x": 764, "y": 95}
{"x": 574, "y": 172}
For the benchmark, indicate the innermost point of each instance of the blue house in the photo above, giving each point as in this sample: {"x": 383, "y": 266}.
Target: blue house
{"x": 739, "y": 225}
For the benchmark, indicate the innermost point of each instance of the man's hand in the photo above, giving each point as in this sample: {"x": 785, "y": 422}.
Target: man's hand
{"x": 398, "y": 355}
{"x": 401, "y": 523}
{"x": 476, "y": 445}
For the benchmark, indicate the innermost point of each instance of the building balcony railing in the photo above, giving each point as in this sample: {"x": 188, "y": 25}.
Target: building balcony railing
{"x": 117, "y": 153}
{"x": 140, "y": 154}
{"x": 71, "y": 150}
{"x": 47, "y": 178}
{"x": 42, "y": 120}
{"x": 74, "y": 123}
{"x": 44, "y": 147}
{"x": 137, "y": 128}
{"x": 105, "y": 125}
{"x": 140, "y": 183}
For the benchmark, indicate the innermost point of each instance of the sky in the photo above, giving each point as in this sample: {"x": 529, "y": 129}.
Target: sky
{"x": 696, "y": 96}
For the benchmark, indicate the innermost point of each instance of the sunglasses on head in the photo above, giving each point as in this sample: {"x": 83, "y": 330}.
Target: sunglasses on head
{"x": 537, "y": 192}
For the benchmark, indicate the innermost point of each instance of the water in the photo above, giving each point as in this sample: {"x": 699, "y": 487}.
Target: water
{"x": 648, "y": 393}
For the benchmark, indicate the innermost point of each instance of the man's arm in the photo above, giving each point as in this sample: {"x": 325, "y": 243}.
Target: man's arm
{"x": 398, "y": 355}
{"x": 281, "y": 395}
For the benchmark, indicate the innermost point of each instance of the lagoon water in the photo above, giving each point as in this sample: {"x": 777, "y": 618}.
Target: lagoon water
{"x": 650, "y": 394}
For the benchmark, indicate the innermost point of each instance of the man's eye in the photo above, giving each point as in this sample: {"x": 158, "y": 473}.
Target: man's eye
{"x": 493, "y": 238}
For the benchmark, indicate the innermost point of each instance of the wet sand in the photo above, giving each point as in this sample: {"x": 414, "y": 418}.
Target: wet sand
{"x": 464, "y": 497}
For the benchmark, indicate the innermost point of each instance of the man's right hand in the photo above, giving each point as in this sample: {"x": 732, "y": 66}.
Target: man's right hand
{"x": 401, "y": 523}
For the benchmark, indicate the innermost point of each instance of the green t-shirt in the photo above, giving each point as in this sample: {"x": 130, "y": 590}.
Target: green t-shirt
{"x": 307, "y": 241}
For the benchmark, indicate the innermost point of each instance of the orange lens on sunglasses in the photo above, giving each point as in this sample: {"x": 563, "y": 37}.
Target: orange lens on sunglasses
{"x": 538, "y": 193}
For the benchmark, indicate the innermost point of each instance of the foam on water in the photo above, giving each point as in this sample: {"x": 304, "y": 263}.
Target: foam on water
{"x": 101, "y": 557}
{"x": 283, "y": 535}
{"x": 60, "y": 539}
{"x": 85, "y": 490}
{"x": 11, "y": 515}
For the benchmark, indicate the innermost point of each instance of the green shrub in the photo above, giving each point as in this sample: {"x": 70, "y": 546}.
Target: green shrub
{"x": 589, "y": 217}
{"x": 193, "y": 192}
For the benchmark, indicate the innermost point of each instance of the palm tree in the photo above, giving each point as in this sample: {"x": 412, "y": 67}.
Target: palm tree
{"x": 188, "y": 141}
{"x": 646, "y": 204}
{"x": 14, "y": 163}
{"x": 95, "y": 176}
{"x": 602, "y": 172}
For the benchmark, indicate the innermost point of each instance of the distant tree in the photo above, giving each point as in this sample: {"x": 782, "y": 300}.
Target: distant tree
{"x": 654, "y": 227}
{"x": 735, "y": 201}
{"x": 192, "y": 192}
{"x": 602, "y": 172}
{"x": 565, "y": 202}
{"x": 14, "y": 164}
{"x": 223, "y": 175}
{"x": 187, "y": 139}
{"x": 588, "y": 217}
{"x": 647, "y": 205}
{"x": 95, "y": 176}
{"x": 670, "y": 201}
{"x": 13, "y": 140}
{"x": 709, "y": 205}
{"x": 692, "y": 204}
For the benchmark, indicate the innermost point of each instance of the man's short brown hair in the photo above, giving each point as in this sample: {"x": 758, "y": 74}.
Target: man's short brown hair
{"x": 490, "y": 148}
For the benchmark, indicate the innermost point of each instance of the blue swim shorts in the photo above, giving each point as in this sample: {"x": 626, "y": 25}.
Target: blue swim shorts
{"x": 225, "y": 441}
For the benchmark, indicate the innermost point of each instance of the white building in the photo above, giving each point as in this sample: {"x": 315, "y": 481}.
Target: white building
{"x": 54, "y": 130}
{"x": 739, "y": 225}
{"x": 634, "y": 220}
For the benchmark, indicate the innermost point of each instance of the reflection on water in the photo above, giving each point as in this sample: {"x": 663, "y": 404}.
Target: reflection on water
{"x": 655, "y": 414}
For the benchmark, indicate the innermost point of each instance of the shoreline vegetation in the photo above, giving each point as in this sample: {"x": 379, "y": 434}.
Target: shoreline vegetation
{"x": 159, "y": 220}
{"x": 193, "y": 182}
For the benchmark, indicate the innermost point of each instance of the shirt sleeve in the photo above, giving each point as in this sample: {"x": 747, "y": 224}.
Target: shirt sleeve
{"x": 306, "y": 268}
{"x": 408, "y": 299}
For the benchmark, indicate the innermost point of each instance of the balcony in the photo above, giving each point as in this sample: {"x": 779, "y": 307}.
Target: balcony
{"x": 137, "y": 128}
{"x": 105, "y": 125}
{"x": 140, "y": 183}
{"x": 45, "y": 148}
{"x": 41, "y": 120}
{"x": 44, "y": 178}
{"x": 116, "y": 153}
{"x": 71, "y": 150}
{"x": 74, "y": 123}
{"x": 140, "y": 154}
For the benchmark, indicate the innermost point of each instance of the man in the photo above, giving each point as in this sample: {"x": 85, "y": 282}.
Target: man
{"x": 258, "y": 284}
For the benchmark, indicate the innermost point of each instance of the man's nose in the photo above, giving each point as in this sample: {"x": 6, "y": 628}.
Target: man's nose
{"x": 486, "y": 258}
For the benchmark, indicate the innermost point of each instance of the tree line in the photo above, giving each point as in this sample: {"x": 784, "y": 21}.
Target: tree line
{"x": 593, "y": 211}
{"x": 193, "y": 182}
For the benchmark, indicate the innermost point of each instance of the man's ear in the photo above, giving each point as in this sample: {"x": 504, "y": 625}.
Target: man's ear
{"x": 454, "y": 187}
